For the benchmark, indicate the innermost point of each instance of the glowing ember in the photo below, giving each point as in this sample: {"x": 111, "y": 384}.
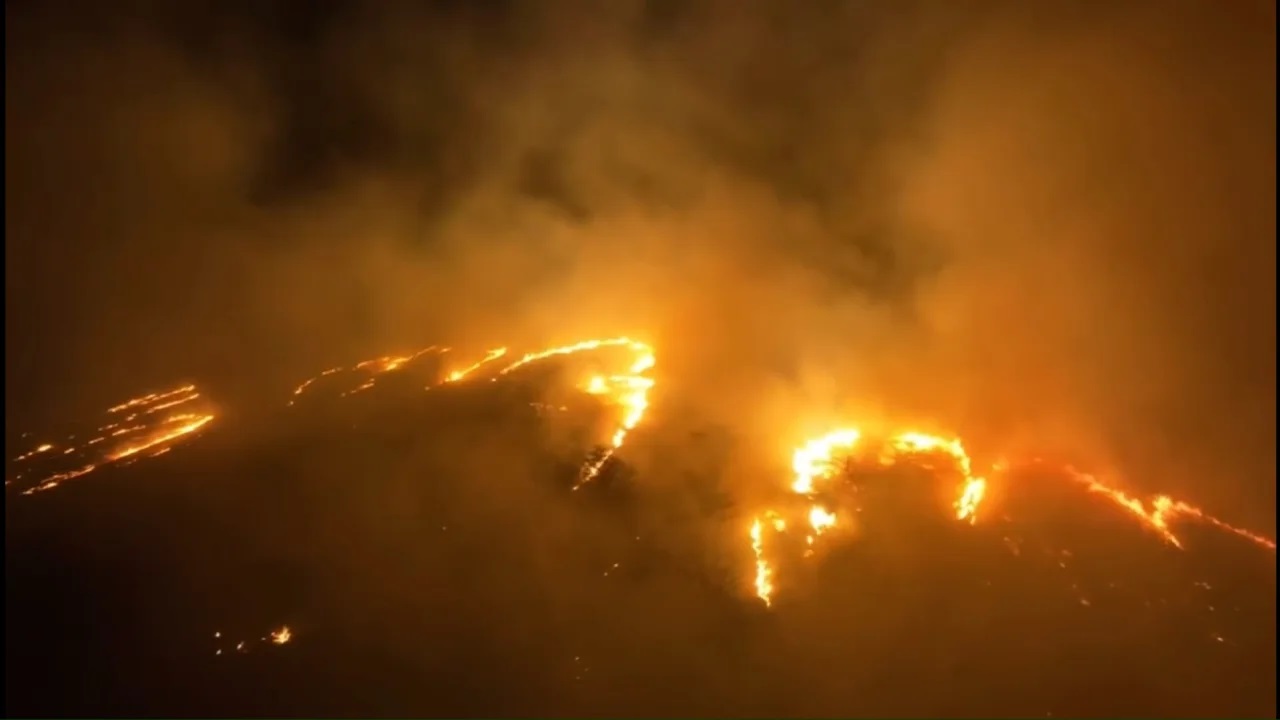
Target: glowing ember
{"x": 281, "y": 636}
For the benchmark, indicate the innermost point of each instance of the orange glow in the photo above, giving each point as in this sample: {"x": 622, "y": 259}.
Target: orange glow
{"x": 373, "y": 367}
{"x": 145, "y": 430}
{"x": 629, "y": 390}
{"x": 819, "y": 460}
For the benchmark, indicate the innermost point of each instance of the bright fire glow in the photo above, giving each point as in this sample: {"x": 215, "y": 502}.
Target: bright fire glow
{"x": 821, "y": 459}
{"x": 146, "y": 426}
{"x": 154, "y": 424}
{"x": 629, "y": 390}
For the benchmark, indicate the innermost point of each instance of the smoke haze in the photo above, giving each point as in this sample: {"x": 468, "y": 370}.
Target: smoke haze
{"x": 1051, "y": 224}
{"x": 1048, "y": 228}
{"x": 1045, "y": 227}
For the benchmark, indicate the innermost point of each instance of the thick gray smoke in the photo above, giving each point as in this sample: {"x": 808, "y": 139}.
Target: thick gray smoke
{"x": 1045, "y": 226}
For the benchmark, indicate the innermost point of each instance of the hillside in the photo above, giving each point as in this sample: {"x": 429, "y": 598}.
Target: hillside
{"x": 429, "y": 555}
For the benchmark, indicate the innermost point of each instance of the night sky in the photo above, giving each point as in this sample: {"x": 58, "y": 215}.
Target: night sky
{"x": 1047, "y": 228}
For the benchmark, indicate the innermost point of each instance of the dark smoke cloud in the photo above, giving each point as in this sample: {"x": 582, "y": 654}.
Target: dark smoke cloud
{"x": 1047, "y": 226}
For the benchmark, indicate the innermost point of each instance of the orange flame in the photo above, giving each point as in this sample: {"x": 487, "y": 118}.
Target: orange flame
{"x": 629, "y": 390}
{"x": 144, "y": 431}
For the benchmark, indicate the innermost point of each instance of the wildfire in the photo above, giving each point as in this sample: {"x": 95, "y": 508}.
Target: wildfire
{"x": 814, "y": 459}
{"x": 629, "y": 390}
{"x": 813, "y": 463}
{"x": 489, "y": 357}
{"x": 1163, "y": 511}
{"x": 153, "y": 424}
{"x": 820, "y": 459}
{"x": 371, "y": 368}
{"x": 764, "y": 573}
{"x": 146, "y": 426}
{"x": 972, "y": 488}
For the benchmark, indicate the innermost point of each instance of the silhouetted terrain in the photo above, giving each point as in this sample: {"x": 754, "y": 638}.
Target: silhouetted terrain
{"x": 429, "y": 558}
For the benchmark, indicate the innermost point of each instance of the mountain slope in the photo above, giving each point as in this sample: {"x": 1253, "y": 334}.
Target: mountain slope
{"x": 429, "y": 556}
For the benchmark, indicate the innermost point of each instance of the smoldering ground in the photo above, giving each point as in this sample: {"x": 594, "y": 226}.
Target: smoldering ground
{"x": 1047, "y": 228}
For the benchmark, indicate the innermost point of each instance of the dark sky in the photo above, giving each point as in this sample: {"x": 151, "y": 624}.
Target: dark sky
{"x": 1047, "y": 225}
